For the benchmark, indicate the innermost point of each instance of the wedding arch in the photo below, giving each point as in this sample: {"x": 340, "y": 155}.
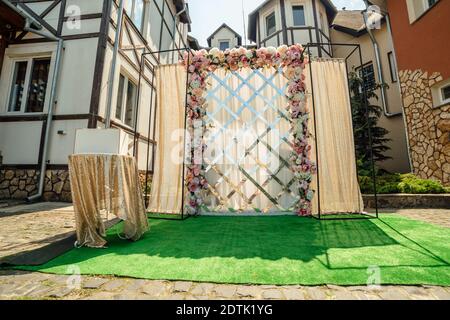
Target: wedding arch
{"x": 266, "y": 89}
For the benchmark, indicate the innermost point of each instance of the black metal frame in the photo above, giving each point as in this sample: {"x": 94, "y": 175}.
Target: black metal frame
{"x": 183, "y": 214}
{"x": 321, "y": 215}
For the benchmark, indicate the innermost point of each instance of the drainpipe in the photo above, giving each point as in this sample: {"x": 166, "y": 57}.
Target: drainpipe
{"x": 174, "y": 29}
{"x": 34, "y": 27}
{"x": 379, "y": 69}
{"x": 377, "y": 53}
{"x": 112, "y": 71}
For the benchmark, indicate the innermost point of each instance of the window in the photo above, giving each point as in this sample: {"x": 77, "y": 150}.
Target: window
{"x": 445, "y": 94}
{"x": 299, "y": 15}
{"x": 417, "y": 8}
{"x": 271, "y": 25}
{"x": 126, "y": 101}
{"x": 135, "y": 10}
{"x": 392, "y": 67}
{"x": 29, "y": 85}
{"x": 367, "y": 73}
{"x": 224, "y": 45}
{"x": 430, "y": 3}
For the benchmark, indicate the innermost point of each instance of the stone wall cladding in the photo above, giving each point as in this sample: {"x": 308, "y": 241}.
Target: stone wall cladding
{"x": 428, "y": 127}
{"x": 408, "y": 201}
{"x": 21, "y": 184}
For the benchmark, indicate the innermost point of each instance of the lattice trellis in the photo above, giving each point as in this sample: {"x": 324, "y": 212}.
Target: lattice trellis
{"x": 238, "y": 185}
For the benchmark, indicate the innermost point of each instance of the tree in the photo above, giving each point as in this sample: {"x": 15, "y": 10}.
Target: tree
{"x": 361, "y": 124}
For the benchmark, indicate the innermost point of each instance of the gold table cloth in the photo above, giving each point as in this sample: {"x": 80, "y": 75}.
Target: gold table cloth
{"x": 102, "y": 182}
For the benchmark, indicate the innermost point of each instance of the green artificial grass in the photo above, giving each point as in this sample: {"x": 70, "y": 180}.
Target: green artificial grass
{"x": 273, "y": 250}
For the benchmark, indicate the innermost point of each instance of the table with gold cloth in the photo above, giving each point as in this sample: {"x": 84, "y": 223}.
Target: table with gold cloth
{"x": 104, "y": 182}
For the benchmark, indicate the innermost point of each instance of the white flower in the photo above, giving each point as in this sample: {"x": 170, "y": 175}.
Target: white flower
{"x": 214, "y": 52}
{"x": 272, "y": 50}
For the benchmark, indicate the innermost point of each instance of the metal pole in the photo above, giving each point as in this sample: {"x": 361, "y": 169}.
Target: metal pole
{"x": 138, "y": 98}
{"x": 369, "y": 134}
{"x": 148, "y": 145}
{"x": 185, "y": 134}
{"x": 112, "y": 71}
{"x": 315, "y": 131}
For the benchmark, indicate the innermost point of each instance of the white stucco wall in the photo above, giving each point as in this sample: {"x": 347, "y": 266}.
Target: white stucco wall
{"x": 296, "y": 36}
{"x": 224, "y": 34}
{"x": 20, "y": 141}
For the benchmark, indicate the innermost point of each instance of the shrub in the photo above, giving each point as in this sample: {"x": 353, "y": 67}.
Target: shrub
{"x": 397, "y": 183}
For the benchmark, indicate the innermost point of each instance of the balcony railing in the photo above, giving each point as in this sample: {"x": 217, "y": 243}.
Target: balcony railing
{"x": 302, "y": 35}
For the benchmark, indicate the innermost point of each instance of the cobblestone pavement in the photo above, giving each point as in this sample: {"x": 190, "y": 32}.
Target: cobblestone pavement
{"x": 28, "y": 227}
{"x": 16, "y": 285}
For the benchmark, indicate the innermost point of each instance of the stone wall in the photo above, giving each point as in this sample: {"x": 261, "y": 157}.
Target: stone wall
{"x": 428, "y": 127}
{"x": 21, "y": 184}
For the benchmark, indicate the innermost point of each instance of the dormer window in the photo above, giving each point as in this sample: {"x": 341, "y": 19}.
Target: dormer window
{"x": 224, "y": 45}
{"x": 299, "y": 15}
{"x": 271, "y": 24}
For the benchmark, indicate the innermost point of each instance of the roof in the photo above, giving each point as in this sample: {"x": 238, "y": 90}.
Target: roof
{"x": 193, "y": 43}
{"x": 224, "y": 25}
{"x": 180, "y": 5}
{"x": 329, "y": 6}
{"x": 350, "y": 22}
{"x": 10, "y": 19}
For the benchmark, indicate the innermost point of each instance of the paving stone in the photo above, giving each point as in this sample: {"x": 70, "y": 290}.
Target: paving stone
{"x": 134, "y": 285}
{"x": 248, "y": 292}
{"x": 294, "y": 294}
{"x": 342, "y": 294}
{"x": 393, "y": 294}
{"x": 181, "y": 286}
{"x": 100, "y": 296}
{"x": 316, "y": 293}
{"x": 418, "y": 293}
{"x": 154, "y": 289}
{"x": 225, "y": 291}
{"x": 60, "y": 292}
{"x": 272, "y": 294}
{"x": 94, "y": 283}
{"x": 112, "y": 285}
{"x": 202, "y": 289}
{"x": 440, "y": 293}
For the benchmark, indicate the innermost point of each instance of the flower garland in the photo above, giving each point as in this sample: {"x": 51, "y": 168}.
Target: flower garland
{"x": 200, "y": 63}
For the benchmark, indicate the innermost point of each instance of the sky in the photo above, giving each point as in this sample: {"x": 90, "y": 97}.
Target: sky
{"x": 208, "y": 15}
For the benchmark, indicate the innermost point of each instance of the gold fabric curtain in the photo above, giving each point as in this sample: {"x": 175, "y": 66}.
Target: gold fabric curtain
{"x": 167, "y": 184}
{"x": 106, "y": 183}
{"x": 339, "y": 187}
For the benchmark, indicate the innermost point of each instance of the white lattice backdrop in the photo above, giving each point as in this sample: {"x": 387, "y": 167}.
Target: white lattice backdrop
{"x": 249, "y": 143}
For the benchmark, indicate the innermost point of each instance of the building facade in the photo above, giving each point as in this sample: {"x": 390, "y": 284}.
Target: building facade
{"x": 224, "y": 38}
{"x": 349, "y": 28}
{"x": 88, "y": 29}
{"x": 278, "y": 22}
{"x": 421, "y": 41}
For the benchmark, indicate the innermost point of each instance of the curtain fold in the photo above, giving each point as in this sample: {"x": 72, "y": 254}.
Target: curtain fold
{"x": 167, "y": 185}
{"x": 337, "y": 176}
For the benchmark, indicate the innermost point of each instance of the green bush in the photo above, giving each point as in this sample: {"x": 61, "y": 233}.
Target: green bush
{"x": 398, "y": 183}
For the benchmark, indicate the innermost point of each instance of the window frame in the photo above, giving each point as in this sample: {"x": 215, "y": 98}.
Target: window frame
{"x": 127, "y": 79}
{"x": 441, "y": 94}
{"x": 293, "y": 15}
{"x": 392, "y": 67}
{"x": 267, "y": 17}
{"x": 360, "y": 71}
{"x": 132, "y": 16}
{"x": 26, "y": 87}
{"x": 224, "y": 41}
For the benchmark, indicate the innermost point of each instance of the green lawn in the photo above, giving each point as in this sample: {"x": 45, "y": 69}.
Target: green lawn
{"x": 273, "y": 250}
